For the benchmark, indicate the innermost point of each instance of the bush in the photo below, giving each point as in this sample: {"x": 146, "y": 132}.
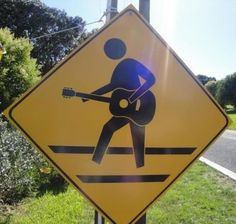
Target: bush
{"x": 23, "y": 171}
{"x": 17, "y": 162}
{"x": 18, "y": 70}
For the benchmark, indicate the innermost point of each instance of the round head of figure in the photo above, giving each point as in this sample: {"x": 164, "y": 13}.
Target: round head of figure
{"x": 114, "y": 48}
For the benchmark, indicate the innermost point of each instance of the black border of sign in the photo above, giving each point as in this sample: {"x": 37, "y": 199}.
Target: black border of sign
{"x": 129, "y": 9}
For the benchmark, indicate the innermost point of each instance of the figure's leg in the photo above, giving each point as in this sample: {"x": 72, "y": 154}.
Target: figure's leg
{"x": 138, "y": 136}
{"x": 108, "y": 129}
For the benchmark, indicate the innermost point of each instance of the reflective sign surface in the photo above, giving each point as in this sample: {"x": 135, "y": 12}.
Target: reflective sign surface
{"x": 121, "y": 118}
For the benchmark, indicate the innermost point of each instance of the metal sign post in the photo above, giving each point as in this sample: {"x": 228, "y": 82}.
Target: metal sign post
{"x": 111, "y": 12}
{"x": 144, "y": 9}
{"x": 98, "y": 219}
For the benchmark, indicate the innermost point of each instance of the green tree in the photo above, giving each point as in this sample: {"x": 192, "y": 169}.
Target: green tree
{"x": 226, "y": 90}
{"x": 212, "y": 87}
{"x": 230, "y": 89}
{"x": 204, "y": 79}
{"x": 18, "y": 71}
{"x": 32, "y": 18}
{"x": 221, "y": 93}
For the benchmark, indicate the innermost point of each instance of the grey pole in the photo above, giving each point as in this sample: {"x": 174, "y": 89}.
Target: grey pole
{"x": 98, "y": 218}
{"x": 111, "y": 11}
{"x": 144, "y": 9}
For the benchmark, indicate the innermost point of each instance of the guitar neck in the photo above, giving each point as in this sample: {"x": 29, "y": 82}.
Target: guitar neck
{"x": 93, "y": 97}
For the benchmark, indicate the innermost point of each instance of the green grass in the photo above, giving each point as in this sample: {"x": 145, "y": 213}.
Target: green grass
{"x": 67, "y": 207}
{"x": 201, "y": 196}
{"x": 233, "y": 118}
{"x": 231, "y": 111}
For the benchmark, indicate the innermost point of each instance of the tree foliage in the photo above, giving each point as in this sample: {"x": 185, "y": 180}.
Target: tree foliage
{"x": 18, "y": 71}
{"x": 220, "y": 93}
{"x": 212, "y": 87}
{"x": 32, "y": 18}
{"x": 205, "y": 79}
{"x": 226, "y": 90}
{"x": 230, "y": 82}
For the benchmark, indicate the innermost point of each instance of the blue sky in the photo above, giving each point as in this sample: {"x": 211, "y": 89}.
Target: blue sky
{"x": 201, "y": 32}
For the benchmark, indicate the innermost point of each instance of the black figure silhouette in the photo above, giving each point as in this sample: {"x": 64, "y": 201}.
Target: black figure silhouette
{"x": 131, "y": 102}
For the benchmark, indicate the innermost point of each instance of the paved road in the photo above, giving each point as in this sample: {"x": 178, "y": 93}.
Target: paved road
{"x": 223, "y": 151}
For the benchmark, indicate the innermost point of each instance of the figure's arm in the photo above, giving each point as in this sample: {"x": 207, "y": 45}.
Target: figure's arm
{"x": 104, "y": 89}
{"x": 149, "y": 78}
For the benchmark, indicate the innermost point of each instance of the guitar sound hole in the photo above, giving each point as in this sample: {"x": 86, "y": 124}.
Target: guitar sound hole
{"x": 123, "y": 103}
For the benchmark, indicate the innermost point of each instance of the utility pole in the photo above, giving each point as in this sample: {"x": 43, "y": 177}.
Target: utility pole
{"x": 111, "y": 10}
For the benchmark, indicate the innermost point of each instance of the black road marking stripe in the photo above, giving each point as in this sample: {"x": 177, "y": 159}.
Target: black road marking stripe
{"x": 178, "y": 150}
{"x": 122, "y": 178}
{"x": 124, "y": 150}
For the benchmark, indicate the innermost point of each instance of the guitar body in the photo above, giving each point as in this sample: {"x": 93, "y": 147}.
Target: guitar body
{"x": 140, "y": 112}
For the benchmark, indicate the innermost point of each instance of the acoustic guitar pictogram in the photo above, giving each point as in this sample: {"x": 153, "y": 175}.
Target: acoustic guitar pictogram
{"x": 140, "y": 112}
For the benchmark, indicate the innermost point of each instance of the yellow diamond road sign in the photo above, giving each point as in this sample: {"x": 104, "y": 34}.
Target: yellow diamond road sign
{"x": 121, "y": 118}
